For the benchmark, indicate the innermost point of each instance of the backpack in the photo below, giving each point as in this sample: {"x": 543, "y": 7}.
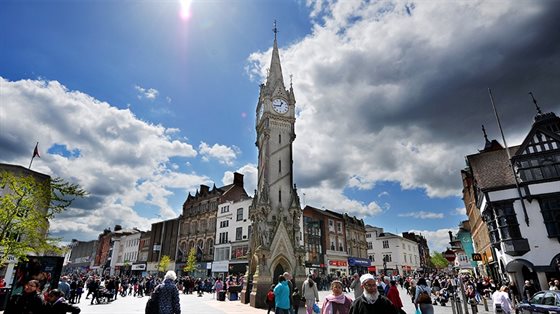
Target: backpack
{"x": 152, "y": 306}
{"x": 424, "y": 297}
{"x": 270, "y": 297}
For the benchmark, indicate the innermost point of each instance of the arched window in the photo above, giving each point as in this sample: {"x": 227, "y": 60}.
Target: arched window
{"x": 279, "y": 138}
{"x": 210, "y": 246}
{"x": 279, "y": 196}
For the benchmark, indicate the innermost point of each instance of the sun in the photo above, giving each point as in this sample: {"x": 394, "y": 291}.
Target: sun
{"x": 185, "y": 12}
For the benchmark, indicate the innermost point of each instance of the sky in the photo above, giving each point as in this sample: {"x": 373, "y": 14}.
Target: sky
{"x": 140, "y": 102}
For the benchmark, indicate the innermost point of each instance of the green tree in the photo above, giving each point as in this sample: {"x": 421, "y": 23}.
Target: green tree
{"x": 190, "y": 265}
{"x": 27, "y": 203}
{"x": 439, "y": 261}
{"x": 163, "y": 264}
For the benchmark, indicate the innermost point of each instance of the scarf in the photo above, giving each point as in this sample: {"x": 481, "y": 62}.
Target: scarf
{"x": 371, "y": 298}
{"x": 341, "y": 299}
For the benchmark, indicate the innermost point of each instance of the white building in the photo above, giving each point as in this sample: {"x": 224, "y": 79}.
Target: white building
{"x": 125, "y": 248}
{"x": 233, "y": 229}
{"x": 391, "y": 253}
{"x": 523, "y": 217}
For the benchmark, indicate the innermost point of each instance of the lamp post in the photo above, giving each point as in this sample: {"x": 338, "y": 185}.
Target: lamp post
{"x": 384, "y": 265}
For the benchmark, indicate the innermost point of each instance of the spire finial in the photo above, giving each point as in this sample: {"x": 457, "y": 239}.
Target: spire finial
{"x": 275, "y": 29}
{"x": 535, "y": 102}
{"x": 291, "y": 80}
{"x": 484, "y": 132}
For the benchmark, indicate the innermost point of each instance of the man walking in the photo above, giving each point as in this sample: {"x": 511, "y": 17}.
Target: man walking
{"x": 371, "y": 301}
{"x": 356, "y": 286}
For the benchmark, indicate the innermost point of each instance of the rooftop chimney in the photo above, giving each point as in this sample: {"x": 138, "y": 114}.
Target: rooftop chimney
{"x": 237, "y": 179}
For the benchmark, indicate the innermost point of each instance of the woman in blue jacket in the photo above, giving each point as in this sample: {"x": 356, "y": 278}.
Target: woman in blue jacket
{"x": 282, "y": 296}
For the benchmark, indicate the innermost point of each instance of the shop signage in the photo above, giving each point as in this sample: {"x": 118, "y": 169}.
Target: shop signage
{"x": 314, "y": 265}
{"x": 338, "y": 263}
{"x": 477, "y": 257}
{"x": 372, "y": 268}
{"x": 355, "y": 261}
{"x": 138, "y": 267}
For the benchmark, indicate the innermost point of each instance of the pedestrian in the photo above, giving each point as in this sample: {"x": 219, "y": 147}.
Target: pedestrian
{"x": 422, "y": 298}
{"x": 288, "y": 277}
{"x": 55, "y": 303}
{"x": 29, "y": 302}
{"x": 282, "y": 296}
{"x": 371, "y": 300}
{"x": 528, "y": 290}
{"x": 356, "y": 286}
{"x": 167, "y": 295}
{"x": 296, "y": 298}
{"x": 501, "y": 303}
{"x": 270, "y": 299}
{"x": 218, "y": 287}
{"x": 394, "y": 296}
{"x": 336, "y": 302}
{"x": 64, "y": 286}
{"x": 310, "y": 293}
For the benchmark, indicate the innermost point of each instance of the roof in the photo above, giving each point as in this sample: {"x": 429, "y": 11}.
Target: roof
{"x": 491, "y": 169}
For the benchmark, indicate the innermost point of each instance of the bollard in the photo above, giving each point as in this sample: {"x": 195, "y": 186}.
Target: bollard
{"x": 452, "y": 303}
{"x": 458, "y": 304}
{"x": 485, "y": 302}
{"x": 473, "y": 306}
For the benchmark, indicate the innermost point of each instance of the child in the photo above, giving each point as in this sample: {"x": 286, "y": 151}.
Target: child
{"x": 270, "y": 299}
{"x": 296, "y": 298}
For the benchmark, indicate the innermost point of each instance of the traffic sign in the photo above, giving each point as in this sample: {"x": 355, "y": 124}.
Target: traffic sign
{"x": 449, "y": 255}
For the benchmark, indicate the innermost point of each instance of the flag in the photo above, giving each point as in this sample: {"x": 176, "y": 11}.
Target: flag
{"x": 36, "y": 151}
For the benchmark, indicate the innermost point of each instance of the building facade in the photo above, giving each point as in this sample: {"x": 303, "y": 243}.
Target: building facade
{"x": 391, "y": 254}
{"x": 520, "y": 206}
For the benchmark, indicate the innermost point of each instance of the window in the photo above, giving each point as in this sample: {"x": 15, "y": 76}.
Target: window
{"x": 279, "y": 196}
{"x": 223, "y": 237}
{"x": 368, "y": 235}
{"x": 387, "y": 258}
{"x": 385, "y": 244}
{"x": 209, "y": 246}
{"x": 279, "y": 138}
{"x": 550, "y": 209}
{"x": 225, "y": 209}
{"x": 370, "y": 245}
{"x": 239, "y": 214}
{"x": 340, "y": 246}
{"x": 372, "y": 258}
{"x": 539, "y": 168}
{"x": 339, "y": 227}
{"x": 279, "y": 166}
{"x": 224, "y": 223}
{"x": 332, "y": 245}
{"x": 405, "y": 258}
{"x": 502, "y": 222}
{"x": 238, "y": 233}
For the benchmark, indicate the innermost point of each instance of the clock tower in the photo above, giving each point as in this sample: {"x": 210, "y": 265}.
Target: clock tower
{"x": 276, "y": 244}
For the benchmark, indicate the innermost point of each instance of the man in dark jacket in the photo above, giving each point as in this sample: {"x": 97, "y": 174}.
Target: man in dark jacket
{"x": 371, "y": 301}
{"x": 56, "y": 304}
{"x": 27, "y": 303}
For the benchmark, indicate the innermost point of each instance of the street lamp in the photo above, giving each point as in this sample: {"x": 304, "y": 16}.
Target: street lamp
{"x": 385, "y": 265}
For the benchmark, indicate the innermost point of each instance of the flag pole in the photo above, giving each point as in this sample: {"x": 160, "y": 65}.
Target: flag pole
{"x": 35, "y": 153}
{"x": 509, "y": 158}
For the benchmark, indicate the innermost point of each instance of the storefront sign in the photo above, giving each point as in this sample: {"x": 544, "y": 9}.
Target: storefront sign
{"x": 138, "y": 267}
{"x": 372, "y": 268}
{"x": 220, "y": 266}
{"x": 338, "y": 263}
{"x": 356, "y": 261}
{"x": 314, "y": 265}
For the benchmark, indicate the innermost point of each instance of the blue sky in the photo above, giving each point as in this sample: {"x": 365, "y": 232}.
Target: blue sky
{"x": 140, "y": 102}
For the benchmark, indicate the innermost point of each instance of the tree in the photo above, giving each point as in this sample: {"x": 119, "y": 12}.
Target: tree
{"x": 439, "y": 261}
{"x": 27, "y": 203}
{"x": 190, "y": 265}
{"x": 163, "y": 264}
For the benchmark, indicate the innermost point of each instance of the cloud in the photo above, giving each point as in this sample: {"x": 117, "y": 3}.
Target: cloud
{"x": 124, "y": 163}
{"x": 149, "y": 93}
{"x": 223, "y": 154}
{"x": 461, "y": 211}
{"x": 384, "y": 193}
{"x": 422, "y": 215}
{"x": 400, "y": 91}
{"x": 438, "y": 240}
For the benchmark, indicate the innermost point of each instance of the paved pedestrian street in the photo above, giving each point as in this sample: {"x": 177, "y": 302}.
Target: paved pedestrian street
{"x": 208, "y": 304}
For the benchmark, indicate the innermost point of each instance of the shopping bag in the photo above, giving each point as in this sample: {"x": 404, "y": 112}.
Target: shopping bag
{"x": 316, "y": 308}
{"x": 418, "y": 311}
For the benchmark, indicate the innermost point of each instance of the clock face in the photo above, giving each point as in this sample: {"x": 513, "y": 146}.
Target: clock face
{"x": 280, "y": 105}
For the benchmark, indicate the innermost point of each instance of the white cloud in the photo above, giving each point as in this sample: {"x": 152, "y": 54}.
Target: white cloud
{"x": 123, "y": 162}
{"x": 438, "y": 240}
{"x": 223, "y": 154}
{"x": 422, "y": 215}
{"x": 149, "y": 93}
{"x": 384, "y": 193}
{"x": 461, "y": 211}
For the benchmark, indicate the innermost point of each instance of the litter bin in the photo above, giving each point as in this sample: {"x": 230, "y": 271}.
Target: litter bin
{"x": 222, "y": 295}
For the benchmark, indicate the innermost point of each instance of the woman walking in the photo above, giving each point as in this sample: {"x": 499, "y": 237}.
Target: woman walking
{"x": 336, "y": 302}
{"x": 311, "y": 294}
{"x": 422, "y": 297}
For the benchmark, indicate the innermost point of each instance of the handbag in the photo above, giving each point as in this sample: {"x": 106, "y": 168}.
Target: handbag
{"x": 303, "y": 299}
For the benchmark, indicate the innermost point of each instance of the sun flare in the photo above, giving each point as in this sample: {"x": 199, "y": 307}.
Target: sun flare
{"x": 185, "y": 12}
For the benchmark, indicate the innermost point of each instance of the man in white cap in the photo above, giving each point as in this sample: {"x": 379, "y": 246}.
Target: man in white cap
{"x": 371, "y": 301}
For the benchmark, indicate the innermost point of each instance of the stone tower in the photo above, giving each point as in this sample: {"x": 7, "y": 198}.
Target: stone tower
{"x": 275, "y": 245}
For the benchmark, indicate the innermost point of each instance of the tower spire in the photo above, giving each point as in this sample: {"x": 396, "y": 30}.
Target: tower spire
{"x": 275, "y": 73}
{"x": 535, "y": 102}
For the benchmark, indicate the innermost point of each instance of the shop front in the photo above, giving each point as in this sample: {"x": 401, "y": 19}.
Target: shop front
{"x": 314, "y": 268}
{"x": 138, "y": 269}
{"x": 358, "y": 265}
{"x": 337, "y": 268}
{"x": 220, "y": 269}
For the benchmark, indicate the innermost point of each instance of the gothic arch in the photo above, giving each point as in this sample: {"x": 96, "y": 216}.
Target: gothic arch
{"x": 278, "y": 266}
